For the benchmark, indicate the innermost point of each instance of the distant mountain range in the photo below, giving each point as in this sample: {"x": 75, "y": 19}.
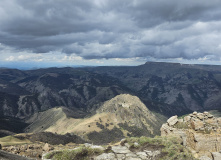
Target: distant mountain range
{"x": 167, "y": 88}
{"x": 171, "y": 88}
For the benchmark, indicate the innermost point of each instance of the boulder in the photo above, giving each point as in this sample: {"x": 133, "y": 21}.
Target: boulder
{"x": 136, "y": 144}
{"x": 216, "y": 155}
{"x": 194, "y": 113}
{"x": 187, "y": 118}
{"x": 97, "y": 147}
{"x": 172, "y": 120}
{"x": 200, "y": 116}
{"x": 205, "y": 113}
{"x": 165, "y": 129}
{"x": 212, "y": 121}
{"x": 106, "y": 156}
{"x": 204, "y": 158}
{"x": 120, "y": 149}
{"x": 142, "y": 155}
{"x": 46, "y": 147}
{"x": 197, "y": 125}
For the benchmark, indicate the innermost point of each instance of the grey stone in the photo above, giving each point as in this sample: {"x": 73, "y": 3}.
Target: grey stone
{"x": 149, "y": 153}
{"x": 204, "y": 158}
{"x": 127, "y": 145}
{"x": 142, "y": 155}
{"x": 180, "y": 120}
{"x": 200, "y": 116}
{"x": 131, "y": 154}
{"x": 156, "y": 153}
{"x": 172, "y": 120}
{"x": 121, "y": 156}
{"x": 97, "y": 147}
{"x": 120, "y": 149}
{"x": 133, "y": 158}
{"x": 216, "y": 155}
{"x": 136, "y": 144}
{"x": 205, "y": 113}
{"x": 187, "y": 118}
{"x": 194, "y": 113}
{"x": 106, "y": 156}
{"x": 87, "y": 145}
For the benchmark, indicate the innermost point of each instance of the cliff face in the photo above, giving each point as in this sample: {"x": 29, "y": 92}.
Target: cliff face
{"x": 200, "y": 132}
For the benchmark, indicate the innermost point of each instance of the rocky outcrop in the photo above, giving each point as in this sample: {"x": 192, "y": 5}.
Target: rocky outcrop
{"x": 29, "y": 150}
{"x": 121, "y": 152}
{"x": 200, "y": 132}
{"x": 131, "y": 111}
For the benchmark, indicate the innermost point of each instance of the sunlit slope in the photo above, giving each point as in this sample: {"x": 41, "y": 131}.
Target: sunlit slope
{"x": 124, "y": 112}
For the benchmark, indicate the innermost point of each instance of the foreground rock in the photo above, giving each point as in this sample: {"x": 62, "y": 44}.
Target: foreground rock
{"x": 200, "y": 132}
{"x": 29, "y": 150}
{"x": 122, "y": 152}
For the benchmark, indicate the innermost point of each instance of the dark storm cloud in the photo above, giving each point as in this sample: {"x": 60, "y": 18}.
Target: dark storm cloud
{"x": 113, "y": 28}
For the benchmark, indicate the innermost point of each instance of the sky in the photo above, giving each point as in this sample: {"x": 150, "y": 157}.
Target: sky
{"x": 47, "y": 33}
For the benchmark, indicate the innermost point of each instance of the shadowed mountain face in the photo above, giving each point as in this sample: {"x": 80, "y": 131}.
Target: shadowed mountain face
{"x": 168, "y": 88}
{"x": 171, "y": 88}
{"x": 42, "y": 89}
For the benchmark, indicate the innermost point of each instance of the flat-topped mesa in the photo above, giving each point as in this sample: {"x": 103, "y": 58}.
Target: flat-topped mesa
{"x": 201, "y": 132}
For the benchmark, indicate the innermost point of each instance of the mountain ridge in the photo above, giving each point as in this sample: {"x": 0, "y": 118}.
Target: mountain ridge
{"x": 124, "y": 114}
{"x": 164, "y": 87}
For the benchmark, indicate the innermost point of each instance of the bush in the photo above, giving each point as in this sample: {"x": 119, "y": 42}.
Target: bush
{"x": 170, "y": 147}
{"x": 82, "y": 153}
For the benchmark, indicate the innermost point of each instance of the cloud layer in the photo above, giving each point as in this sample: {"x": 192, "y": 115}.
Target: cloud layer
{"x": 108, "y": 29}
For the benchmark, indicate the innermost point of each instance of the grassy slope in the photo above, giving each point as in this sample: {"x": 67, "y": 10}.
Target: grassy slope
{"x": 10, "y": 140}
{"x": 55, "y": 120}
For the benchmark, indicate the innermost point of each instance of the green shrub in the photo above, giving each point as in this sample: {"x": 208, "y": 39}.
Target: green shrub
{"x": 81, "y": 153}
{"x": 170, "y": 147}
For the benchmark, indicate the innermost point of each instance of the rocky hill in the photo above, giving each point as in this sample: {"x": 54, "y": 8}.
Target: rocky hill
{"x": 123, "y": 115}
{"x": 200, "y": 132}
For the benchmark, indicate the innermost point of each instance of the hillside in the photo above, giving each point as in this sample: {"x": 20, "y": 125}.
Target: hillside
{"x": 124, "y": 115}
{"x": 171, "y": 88}
{"x": 42, "y": 89}
{"x": 165, "y": 88}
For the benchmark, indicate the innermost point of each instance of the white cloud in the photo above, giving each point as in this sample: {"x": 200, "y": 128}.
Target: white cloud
{"x": 10, "y": 58}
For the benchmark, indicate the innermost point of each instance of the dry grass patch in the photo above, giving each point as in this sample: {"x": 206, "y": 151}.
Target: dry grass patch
{"x": 11, "y": 140}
